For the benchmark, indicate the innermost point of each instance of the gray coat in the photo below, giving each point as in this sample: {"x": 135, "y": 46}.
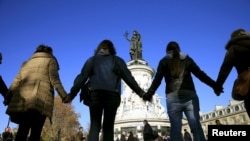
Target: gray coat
{"x": 33, "y": 87}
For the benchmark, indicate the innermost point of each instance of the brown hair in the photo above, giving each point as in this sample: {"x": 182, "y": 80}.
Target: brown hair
{"x": 175, "y": 62}
{"x": 239, "y": 32}
{"x": 44, "y": 48}
{"x": 106, "y": 44}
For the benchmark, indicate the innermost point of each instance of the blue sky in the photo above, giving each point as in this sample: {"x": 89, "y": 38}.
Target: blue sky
{"x": 75, "y": 28}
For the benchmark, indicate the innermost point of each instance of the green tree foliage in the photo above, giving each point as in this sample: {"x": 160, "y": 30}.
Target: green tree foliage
{"x": 64, "y": 123}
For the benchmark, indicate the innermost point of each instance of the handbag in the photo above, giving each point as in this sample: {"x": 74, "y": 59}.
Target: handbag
{"x": 241, "y": 85}
{"x": 85, "y": 93}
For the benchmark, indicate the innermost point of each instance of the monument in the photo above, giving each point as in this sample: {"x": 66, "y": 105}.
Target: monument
{"x": 133, "y": 110}
{"x": 135, "y": 45}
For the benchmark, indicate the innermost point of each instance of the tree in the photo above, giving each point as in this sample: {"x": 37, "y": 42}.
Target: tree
{"x": 64, "y": 123}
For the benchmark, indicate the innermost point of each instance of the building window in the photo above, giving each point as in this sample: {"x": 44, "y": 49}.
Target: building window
{"x": 201, "y": 118}
{"x": 220, "y": 113}
{"x": 228, "y": 110}
{"x": 207, "y": 116}
{"x": 213, "y": 115}
{"x": 236, "y": 108}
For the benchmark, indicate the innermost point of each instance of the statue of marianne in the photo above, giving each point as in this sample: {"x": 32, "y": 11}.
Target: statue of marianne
{"x": 135, "y": 45}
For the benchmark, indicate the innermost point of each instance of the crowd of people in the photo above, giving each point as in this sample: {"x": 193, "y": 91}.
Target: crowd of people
{"x": 29, "y": 99}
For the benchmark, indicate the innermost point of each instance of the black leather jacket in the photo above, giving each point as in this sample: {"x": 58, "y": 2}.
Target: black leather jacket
{"x": 105, "y": 73}
{"x": 187, "y": 83}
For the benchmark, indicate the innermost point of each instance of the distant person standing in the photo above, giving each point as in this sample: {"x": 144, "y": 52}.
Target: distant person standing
{"x": 131, "y": 136}
{"x": 147, "y": 131}
{"x": 30, "y": 98}
{"x": 187, "y": 136}
{"x": 123, "y": 137}
{"x": 177, "y": 68}
{"x": 237, "y": 56}
{"x": 217, "y": 122}
{"x": 79, "y": 135}
{"x": 3, "y": 87}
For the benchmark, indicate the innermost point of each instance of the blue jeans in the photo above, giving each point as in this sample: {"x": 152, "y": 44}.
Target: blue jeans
{"x": 187, "y": 102}
{"x": 103, "y": 103}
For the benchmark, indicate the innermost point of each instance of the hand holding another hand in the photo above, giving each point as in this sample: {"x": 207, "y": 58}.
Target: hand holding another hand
{"x": 67, "y": 99}
{"x": 218, "y": 90}
{"x": 147, "y": 97}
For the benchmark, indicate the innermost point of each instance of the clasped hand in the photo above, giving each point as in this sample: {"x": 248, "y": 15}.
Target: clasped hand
{"x": 218, "y": 89}
{"x": 147, "y": 97}
{"x": 67, "y": 99}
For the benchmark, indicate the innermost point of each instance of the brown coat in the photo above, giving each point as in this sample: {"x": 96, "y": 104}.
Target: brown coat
{"x": 237, "y": 55}
{"x": 33, "y": 87}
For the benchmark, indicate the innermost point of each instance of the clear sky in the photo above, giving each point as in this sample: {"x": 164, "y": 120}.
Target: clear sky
{"x": 75, "y": 28}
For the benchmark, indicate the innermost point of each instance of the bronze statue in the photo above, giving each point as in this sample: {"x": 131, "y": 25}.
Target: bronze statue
{"x": 135, "y": 45}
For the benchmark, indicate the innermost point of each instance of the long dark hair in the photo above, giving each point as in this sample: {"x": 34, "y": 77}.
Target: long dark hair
{"x": 106, "y": 44}
{"x": 175, "y": 62}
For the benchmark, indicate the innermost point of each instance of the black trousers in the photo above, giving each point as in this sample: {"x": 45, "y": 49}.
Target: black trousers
{"x": 103, "y": 103}
{"x": 33, "y": 123}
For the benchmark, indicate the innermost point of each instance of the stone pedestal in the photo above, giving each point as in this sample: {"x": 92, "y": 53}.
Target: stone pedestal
{"x": 133, "y": 110}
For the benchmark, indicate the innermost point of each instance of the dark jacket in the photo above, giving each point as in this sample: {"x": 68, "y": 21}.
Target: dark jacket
{"x": 131, "y": 137}
{"x": 79, "y": 136}
{"x": 105, "y": 73}
{"x": 147, "y": 132}
{"x": 191, "y": 67}
{"x": 237, "y": 55}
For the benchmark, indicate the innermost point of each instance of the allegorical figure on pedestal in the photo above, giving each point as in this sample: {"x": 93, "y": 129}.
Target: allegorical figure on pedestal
{"x": 135, "y": 45}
